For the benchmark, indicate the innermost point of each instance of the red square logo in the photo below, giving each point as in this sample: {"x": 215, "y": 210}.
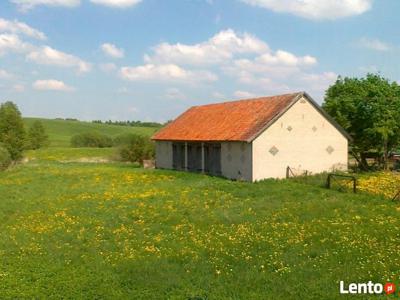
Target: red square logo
{"x": 389, "y": 288}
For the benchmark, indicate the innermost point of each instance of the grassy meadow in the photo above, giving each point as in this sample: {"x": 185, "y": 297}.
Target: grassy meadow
{"x": 61, "y": 131}
{"x": 79, "y": 230}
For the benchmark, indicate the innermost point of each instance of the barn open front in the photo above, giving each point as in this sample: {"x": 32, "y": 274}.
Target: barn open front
{"x": 253, "y": 139}
{"x": 197, "y": 157}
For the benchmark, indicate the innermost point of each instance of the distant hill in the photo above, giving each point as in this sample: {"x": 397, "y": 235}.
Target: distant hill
{"x": 61, "y": 131}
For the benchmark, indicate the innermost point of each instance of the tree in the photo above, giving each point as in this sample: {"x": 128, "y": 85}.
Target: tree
{"x": 37, "y": 137}
{"x": 135, "y": 148}
{"x": 12, "y": 132}
{"x": 369, "y": 109}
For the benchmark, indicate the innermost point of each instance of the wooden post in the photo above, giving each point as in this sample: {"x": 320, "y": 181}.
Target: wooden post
{"x": 328, "y": 181}
{"x": 186, "y": 156}
{"x": 202, "y": 158}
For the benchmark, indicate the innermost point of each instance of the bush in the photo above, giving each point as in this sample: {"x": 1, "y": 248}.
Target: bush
{"x": 12, "y": 132}
{"x": 37, "y": 137}
{"x": 91, "y": 139}
{"x": 134, "y": 148}
{"x": 5, "y": 158}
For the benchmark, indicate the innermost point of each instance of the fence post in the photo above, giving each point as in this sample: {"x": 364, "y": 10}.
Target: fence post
{"x": 331, "y": 176}
{"x": 287, "y": 172}
{"x": 328, "y": 181}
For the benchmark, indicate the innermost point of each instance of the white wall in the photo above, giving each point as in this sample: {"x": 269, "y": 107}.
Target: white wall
{"x": 163, "y": 155}
{"x": 236, "y": 160}
{"x": 301, "y": 147}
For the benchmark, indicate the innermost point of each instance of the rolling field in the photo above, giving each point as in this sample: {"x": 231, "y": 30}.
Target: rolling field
{"x": 113, "y": 231}
{"x": 61, "y": 131}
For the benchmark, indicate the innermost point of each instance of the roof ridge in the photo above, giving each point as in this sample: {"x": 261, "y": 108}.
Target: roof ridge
{"x": 250, "y": 99}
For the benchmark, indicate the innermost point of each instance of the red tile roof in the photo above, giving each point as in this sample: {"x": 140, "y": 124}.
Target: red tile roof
{"x": 229, "y": 121}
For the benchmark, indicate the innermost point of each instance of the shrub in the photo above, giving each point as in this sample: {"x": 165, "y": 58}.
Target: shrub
{"x": 37, "y": 137}
{"x": 5, "y": 158}
{"x": 12, "y": 132}
{"x": 91, "y": 139}
{"x": 134, "y": 148}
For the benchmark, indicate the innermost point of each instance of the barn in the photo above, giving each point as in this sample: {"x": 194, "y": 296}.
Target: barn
{"x": 253, "y": 139}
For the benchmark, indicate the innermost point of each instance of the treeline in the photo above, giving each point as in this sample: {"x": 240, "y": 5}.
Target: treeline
{"x": 129, "y": 146}
{"x": 129, "y": 123}
{"x": 15, "y": 138}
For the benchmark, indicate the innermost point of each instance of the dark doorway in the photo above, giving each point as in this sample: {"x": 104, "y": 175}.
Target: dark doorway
{"x": 178, "y": 156}
{"x": 212, "y": 159}
{"x": 194, "y": 157}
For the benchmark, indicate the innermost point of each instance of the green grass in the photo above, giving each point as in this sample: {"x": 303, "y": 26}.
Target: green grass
{"x": 61, "y": 131}
{"x": 112, "y": 231}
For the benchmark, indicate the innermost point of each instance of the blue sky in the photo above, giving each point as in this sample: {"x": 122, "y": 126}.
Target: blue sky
{"x": 152, "y": 59}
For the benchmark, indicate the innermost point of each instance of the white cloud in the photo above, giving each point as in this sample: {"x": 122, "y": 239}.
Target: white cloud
{"x": 51, "y": 85}
{"x": 284, "y": 58}
{"x": 316, "y": 9}
{"x": 112, "y": 50}
{"x": 279, "y": 64}
{"x": 5, "y": 75}
{"x": 49, "y": 56}
{"x": 25, "y": 5}
{"x": 243, "y": 94}
{"x": 108, "y": 67}
{"x": 277, "y": 72}
{"x": 220, "y": 48}
{"x": 166, "y": 72}
{"x": 246, "y": 59}
{"x": 12, "y": 43}
{"x": 374, "y": 44}
{"x": 16, "y": 27}
{"x": 117, "y": 3}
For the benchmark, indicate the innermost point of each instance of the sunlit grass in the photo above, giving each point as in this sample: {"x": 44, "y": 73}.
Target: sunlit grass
{"x": 113, "y": 231}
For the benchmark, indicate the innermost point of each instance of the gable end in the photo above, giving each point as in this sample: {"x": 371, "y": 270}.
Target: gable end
{"x": 315, "y": 105}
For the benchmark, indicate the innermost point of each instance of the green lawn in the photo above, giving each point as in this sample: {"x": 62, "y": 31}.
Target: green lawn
{"x": 102, "y": 231}
{"x": 61, "y": 131}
